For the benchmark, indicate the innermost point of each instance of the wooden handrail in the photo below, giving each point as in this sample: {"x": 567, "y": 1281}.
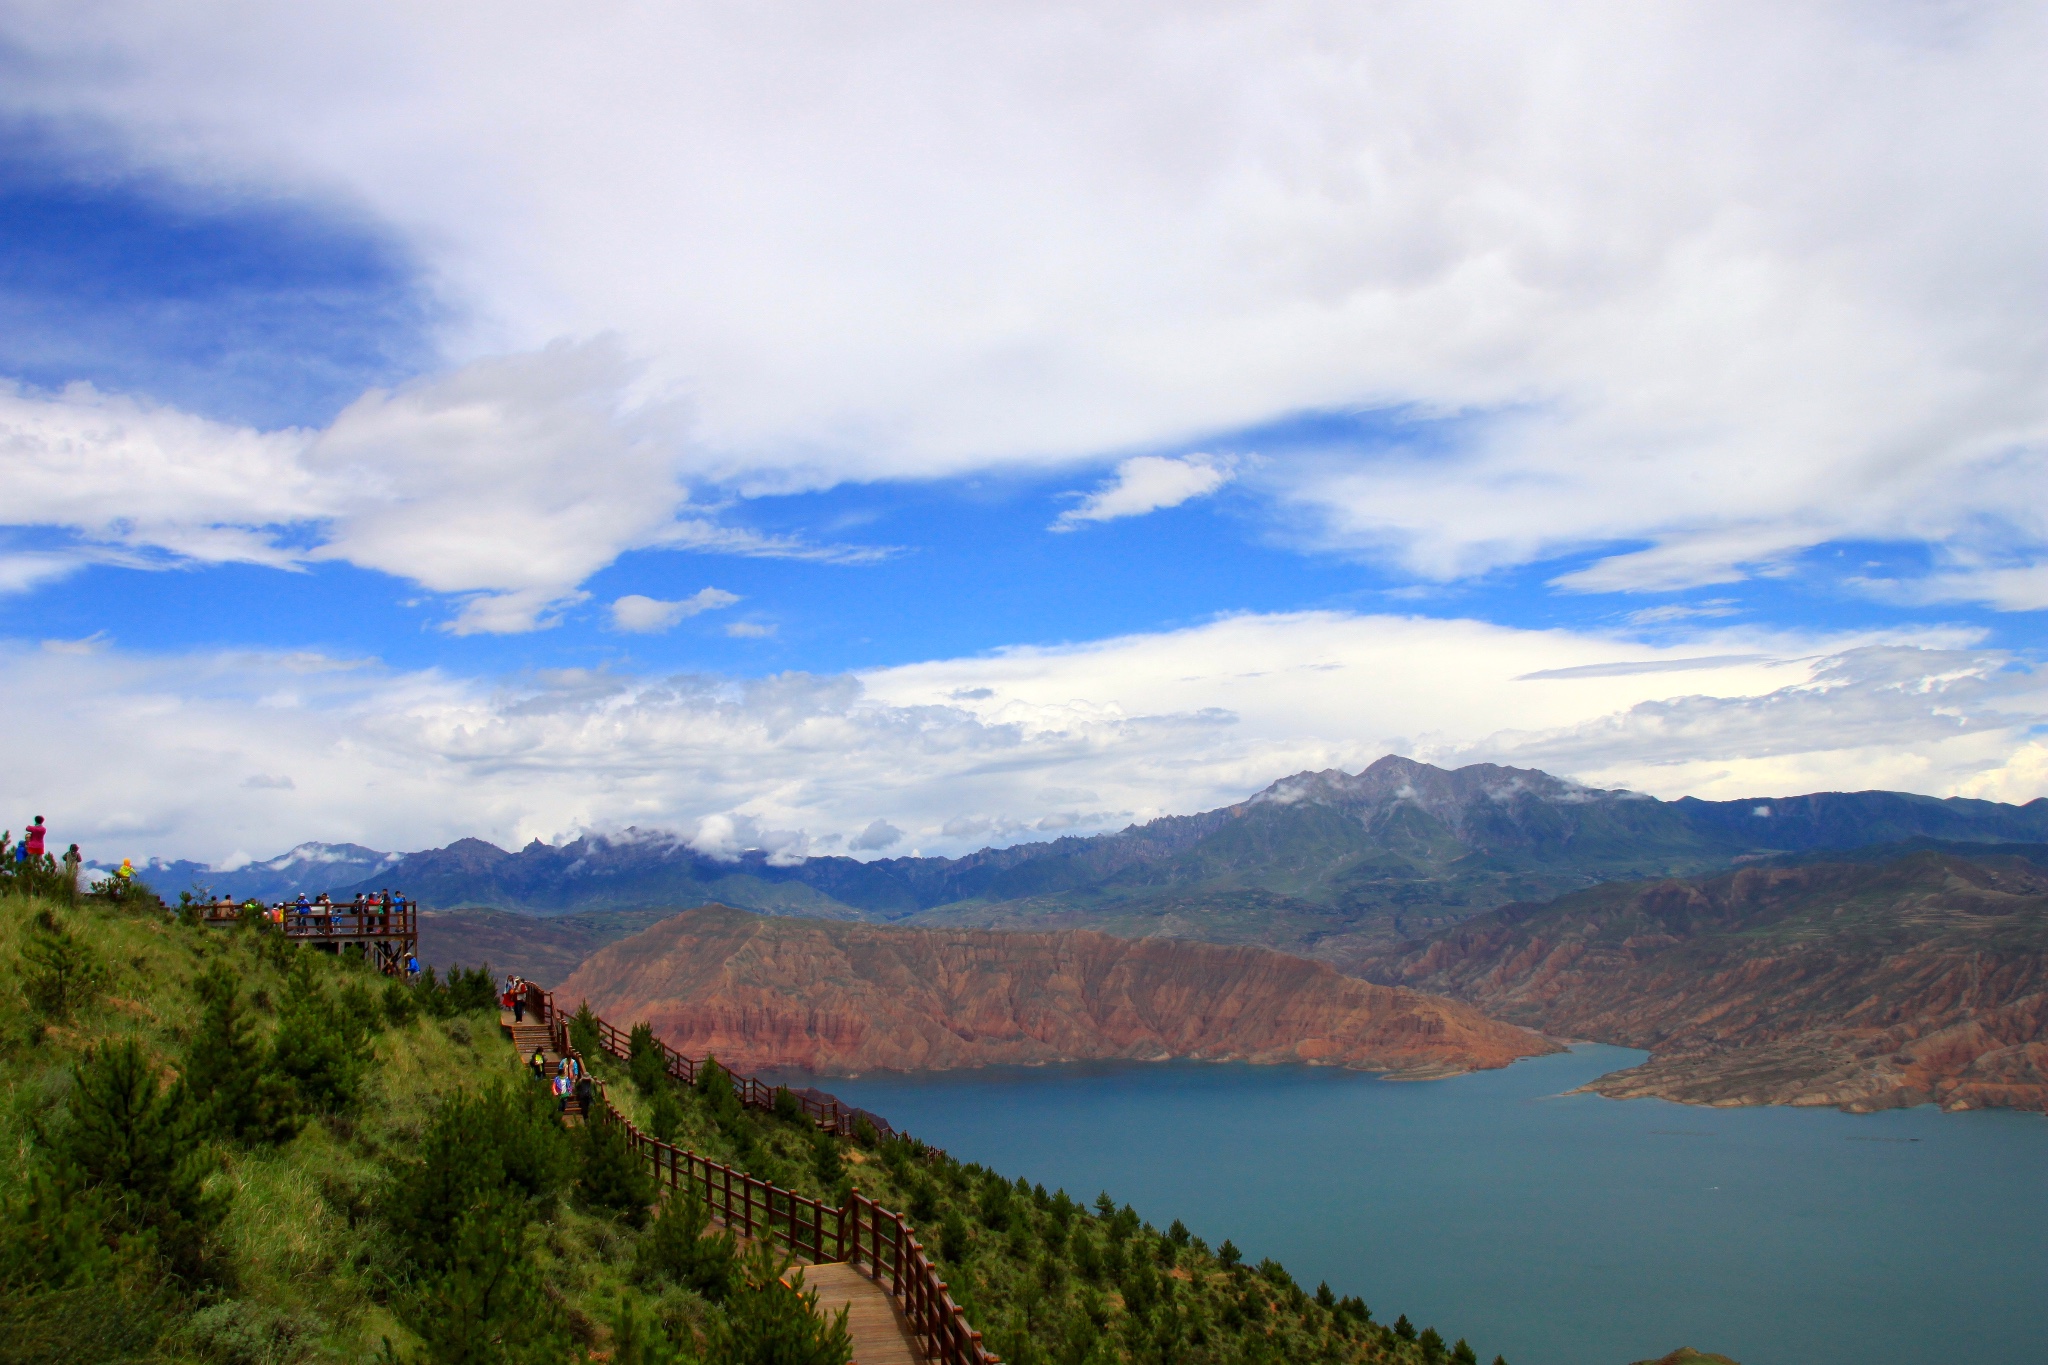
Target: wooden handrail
{"x": 862, "y": 1233}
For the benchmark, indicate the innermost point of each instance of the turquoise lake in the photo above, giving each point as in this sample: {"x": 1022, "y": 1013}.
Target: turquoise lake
{"x": 1554, "y": 1230}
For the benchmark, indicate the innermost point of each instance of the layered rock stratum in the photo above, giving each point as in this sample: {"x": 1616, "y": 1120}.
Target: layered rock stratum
{"x": 1915, "y": 979}
{"x": 841, "y": 997}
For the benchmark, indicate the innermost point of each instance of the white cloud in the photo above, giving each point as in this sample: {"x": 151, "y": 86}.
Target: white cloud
{"x": 750, "y": 630}
{"x": 1147, "y": 483}
{"x": 648, "y": 614}
{"x": 155, "y": 752}
{"x": 506, "y": 484}
{"x": 1719, "y": 281}
{"x": 879, "y": 834}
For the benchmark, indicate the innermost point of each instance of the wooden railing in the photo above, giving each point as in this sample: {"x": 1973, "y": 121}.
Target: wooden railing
{"x": 753, "y": 1092}
{"x": 860, "y": 1232}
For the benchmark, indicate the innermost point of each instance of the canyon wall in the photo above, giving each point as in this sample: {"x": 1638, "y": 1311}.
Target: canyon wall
{"x": 844, "y": 997}
{"x": 1866, "y": 986}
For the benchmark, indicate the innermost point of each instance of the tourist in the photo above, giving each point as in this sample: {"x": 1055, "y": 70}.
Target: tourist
{"x": 518, "y": 1001}
{"x": 539, "y": 1064}
{"x": 585, "y": 1091}
{"x": 72, "y": 862}
{"x": 32, "y": 838}
{"x": 561, "y": 1089}
{"x": 412, "y": 967}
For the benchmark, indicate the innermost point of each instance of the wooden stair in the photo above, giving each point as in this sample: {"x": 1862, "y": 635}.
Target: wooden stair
{"x": 528, "y": 1036}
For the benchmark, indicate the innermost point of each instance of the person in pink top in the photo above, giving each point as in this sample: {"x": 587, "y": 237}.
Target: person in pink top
{"x": 33, "y": 836}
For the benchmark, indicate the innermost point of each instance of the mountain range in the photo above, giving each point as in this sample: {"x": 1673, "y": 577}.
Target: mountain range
{"x": 1333, "y": 865}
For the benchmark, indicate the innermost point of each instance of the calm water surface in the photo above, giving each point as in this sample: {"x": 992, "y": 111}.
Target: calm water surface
{"x": 1557, "y": 1231}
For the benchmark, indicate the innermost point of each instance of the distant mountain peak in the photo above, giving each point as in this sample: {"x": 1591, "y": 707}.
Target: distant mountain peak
{"x": 316, "y": 854}
{"x": 1440, "y": 791}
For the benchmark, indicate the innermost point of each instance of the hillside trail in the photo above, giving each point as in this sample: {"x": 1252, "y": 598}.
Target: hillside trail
{"x": 881, "y": 1335}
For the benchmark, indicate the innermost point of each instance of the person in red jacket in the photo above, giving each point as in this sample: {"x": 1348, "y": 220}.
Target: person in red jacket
{"x": 33, "y": 837}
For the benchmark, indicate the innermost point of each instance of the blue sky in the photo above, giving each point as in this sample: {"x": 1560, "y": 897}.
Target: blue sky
{"x": 419, "y": 383}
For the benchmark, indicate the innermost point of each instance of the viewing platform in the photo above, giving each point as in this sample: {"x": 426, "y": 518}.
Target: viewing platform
{"x": 388, "y": 932}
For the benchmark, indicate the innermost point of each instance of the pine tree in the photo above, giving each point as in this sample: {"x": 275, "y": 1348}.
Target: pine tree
{"x": 646, "y": 1063}
{"x": 59, "y": 972}
{"x": 771, "y": 1322}
{"x": 676, "y": 1248}
{"x": 610, "y": 1175}
{"x": 226, "y": 1068}
{"x": 486, "y": 1303}
{"x": 665, "y": 1115}
{"x": 135, "y": 1141}
{"x": 322, "y": 1047}
{"x": 583, "y": 1033}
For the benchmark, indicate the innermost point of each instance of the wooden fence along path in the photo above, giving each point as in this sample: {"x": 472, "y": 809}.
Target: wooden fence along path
{"x": 861, "y": 1235}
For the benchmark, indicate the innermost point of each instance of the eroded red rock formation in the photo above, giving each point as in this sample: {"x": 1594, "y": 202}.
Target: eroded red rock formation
{"x": 1862, "y": 986}
{"x": 842, "y": 997}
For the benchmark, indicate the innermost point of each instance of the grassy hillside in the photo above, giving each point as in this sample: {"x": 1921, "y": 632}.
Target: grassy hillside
{"x": 221, "y": 1147}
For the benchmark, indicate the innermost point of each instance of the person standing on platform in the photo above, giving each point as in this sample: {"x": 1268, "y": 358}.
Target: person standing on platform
{"x": 73, "y": 861}
{"x": 32, "y": 839}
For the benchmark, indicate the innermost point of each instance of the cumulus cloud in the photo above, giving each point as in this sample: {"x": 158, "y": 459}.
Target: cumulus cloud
{"x": 504, "y": 484}
{"x": 155, "y": 752}
{"x": 750, "y": 630}
{"x": 650, "y": 614}
{"x": 1146, "y": 483}
{"x": 1701, "y": 284}
{"x": 879, "y": 834}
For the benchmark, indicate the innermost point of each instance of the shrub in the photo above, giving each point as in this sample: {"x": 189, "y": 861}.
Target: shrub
{"x": 132, "y": 1140}
{"x": 400, "y": 1005}
{"x": 487, "y": 1303}
{"x": 583, "y": 1033}
{"x": 238, "y": 1332}
{"x": 676, "y": 1249}
{"x": 828, "y": 1163}
{"x": 59, "y": 972}
{"x": 665, "y": 1115}
{"x": 322, "y": 1045}
{"x": 953, "y": 1241}
{"x": 238, "y": 1095}
{"x": 772, "y": 1323}
{"x": 609, "y": 1174}
{"x": 638, "y": 1341}
{"x": 646, "y": 1061}
{"x": 506, "y": 1140}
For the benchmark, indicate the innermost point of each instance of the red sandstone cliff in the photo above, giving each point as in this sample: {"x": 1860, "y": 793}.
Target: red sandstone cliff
{"x": 1858, "y": 985}
{"x": 843, "y": 997}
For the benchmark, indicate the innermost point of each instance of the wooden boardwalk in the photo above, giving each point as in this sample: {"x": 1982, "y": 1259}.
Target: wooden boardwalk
{"x": 880, "y": 1335}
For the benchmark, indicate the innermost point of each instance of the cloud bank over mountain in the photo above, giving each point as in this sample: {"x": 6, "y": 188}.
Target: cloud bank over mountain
{"x": 156, "y": 755}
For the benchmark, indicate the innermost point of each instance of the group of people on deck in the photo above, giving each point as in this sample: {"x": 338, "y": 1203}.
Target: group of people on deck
{"x": 376, "y": 908}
